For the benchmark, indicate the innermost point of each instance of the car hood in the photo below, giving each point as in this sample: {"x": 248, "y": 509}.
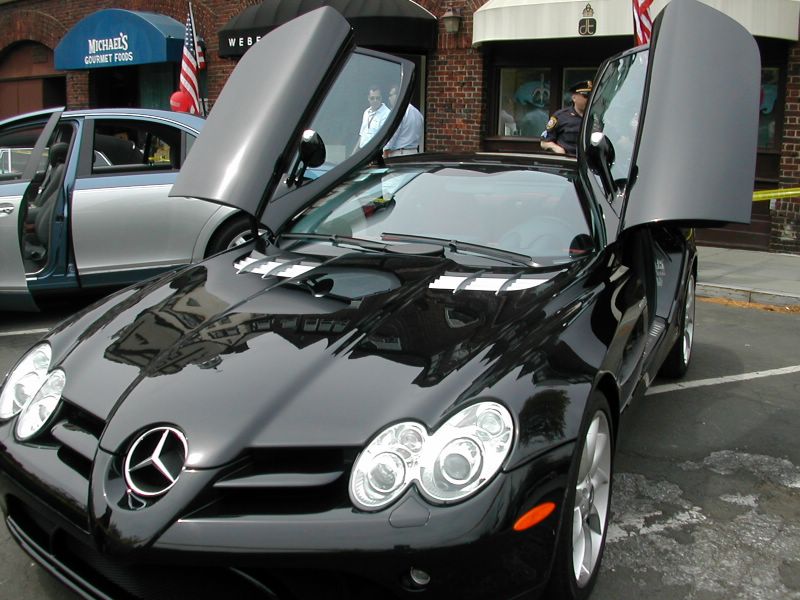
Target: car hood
{"x": 239, "y": 361}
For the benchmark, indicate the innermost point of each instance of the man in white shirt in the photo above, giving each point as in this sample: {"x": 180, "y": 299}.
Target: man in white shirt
{"x": 374, "y": 116}
{"x": 408, "y": 137}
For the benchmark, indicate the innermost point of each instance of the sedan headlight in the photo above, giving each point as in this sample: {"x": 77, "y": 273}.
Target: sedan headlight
{"x": 448, "y": 465}
{"x": 39, "y": 410}
{"x": 24, "y": 381}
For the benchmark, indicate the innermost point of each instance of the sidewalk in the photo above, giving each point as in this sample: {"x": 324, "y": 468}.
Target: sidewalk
{"x": 749, "y": 276}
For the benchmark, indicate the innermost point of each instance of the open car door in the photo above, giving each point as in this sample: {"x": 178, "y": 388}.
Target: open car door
{"x": 14, "y": 293}
{"x": 660, "y": 149}
{"x": 295, "y": 102}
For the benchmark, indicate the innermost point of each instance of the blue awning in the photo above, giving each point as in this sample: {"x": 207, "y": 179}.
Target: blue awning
{"x": 119, "y": 38}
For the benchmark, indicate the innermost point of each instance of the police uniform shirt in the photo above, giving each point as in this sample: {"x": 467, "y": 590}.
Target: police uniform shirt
{"x": 563, "y": 128}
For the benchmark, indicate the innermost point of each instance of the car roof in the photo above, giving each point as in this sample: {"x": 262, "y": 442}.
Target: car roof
{"x": 191, "y": 121}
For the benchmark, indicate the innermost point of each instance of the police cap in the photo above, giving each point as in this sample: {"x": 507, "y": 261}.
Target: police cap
{"x": 582, "y": 87}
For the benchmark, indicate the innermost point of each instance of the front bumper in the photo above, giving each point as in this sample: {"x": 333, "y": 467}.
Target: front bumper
{"x": 104, "y": 550}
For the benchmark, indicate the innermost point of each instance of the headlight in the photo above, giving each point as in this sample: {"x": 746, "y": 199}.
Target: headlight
{"x": 37, "y": 412}
{"x": 449, "y": 465}
{"x": 24, "y": 381}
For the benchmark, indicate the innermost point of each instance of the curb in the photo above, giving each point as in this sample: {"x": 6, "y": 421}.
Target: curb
{"x": 744, "y": 295}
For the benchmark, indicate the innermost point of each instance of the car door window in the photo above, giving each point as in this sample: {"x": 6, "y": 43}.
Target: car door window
{"x": 132, "y": 146}
{"x": 616, "y": 106}
{"x": 15, "y": 150}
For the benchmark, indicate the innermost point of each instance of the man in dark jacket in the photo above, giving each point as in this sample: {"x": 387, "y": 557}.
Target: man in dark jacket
{"x": 564, "y": 126}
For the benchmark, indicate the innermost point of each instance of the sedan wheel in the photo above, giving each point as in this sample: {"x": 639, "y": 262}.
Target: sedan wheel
{"x": 232, "y": 233}
{"x": 243, "y": 238}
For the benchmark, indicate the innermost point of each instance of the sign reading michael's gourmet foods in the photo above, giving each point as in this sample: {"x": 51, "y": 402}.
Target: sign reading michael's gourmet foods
{"x": 115, "y": 37}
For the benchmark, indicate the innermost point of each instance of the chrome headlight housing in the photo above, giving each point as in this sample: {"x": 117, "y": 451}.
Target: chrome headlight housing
{"x": 24, "y": 381}
{"x": 451, "y": 464}
{"x": 39, "y": 410}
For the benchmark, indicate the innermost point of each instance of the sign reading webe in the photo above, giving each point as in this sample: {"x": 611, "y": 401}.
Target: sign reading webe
{"x": 236, "y": 44}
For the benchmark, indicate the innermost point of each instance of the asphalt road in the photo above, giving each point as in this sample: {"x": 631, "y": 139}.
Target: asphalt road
{"x": 706, "y": 500}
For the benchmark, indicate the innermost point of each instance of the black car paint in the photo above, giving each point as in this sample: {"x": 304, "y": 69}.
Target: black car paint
{"x": 265, "y": 488}
{"x": 540, "y": 353}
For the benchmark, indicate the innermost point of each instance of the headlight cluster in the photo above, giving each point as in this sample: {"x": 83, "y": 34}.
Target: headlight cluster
{"x": 32, "y": 392}
{"x": 448, "y": 465}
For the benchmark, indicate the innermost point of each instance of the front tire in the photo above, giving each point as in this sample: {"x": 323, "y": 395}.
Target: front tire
{"x": 584, "y": 525}
{"x": 677, "y": 362}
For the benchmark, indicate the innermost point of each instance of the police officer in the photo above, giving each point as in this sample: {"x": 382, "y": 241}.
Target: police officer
{"x": 564, "y": 126}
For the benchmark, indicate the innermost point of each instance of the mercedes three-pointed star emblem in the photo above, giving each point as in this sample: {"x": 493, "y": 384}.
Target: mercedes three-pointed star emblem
{"x": 155, "y": 461}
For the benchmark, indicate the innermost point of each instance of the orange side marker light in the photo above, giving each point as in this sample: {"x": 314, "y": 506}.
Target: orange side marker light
{"x": 534, "y": 516}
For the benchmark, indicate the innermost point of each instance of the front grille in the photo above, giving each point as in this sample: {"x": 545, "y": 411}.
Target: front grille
{"x": 284, "y": 481}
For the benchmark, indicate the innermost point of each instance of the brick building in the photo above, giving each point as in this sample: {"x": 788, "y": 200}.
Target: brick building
{"x": 486, "y": 60}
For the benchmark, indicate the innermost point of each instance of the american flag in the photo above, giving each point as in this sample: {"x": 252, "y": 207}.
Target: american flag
{"x": 190, "y": 64}
{"x": 642, "y": 23}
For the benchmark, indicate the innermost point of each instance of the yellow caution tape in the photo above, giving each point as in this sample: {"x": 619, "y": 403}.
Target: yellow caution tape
{"x": 762, "y": 195}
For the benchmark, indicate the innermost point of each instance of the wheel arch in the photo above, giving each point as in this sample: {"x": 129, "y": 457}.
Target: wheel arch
{"x": 218, "y": 219}
{"x": 607, "y": 385}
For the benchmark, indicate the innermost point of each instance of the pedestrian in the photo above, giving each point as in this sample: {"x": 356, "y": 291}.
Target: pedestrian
{"x": 564, "y": 126}
{"x": 408, "y": 137}
{"x": 374, "y": 116}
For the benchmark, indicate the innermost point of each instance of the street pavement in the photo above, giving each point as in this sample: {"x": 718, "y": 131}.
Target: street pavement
{"x": 749, "y": 276}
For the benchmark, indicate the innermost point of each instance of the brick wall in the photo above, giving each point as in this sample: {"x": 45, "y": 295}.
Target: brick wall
{"x": 47, "y": 21}
{"x": 785, "y": 213}
{"x": 456, "y": 99}
{"x": 455, "y": 102}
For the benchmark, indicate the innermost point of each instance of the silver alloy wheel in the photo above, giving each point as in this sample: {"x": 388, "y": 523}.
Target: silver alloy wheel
{"x": 592, "y": 498}
{"x": 688, "y": 321}
{"x": 243, "y": 238}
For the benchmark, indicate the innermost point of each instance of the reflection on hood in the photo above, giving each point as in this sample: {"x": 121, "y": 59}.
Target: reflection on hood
{"x": 358, "y": 305}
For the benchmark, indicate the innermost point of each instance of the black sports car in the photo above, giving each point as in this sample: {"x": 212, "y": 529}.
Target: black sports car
{"x": 410, "y": 385}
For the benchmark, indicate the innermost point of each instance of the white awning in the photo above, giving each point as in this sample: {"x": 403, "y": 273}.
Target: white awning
{"x": 510, "y": 20}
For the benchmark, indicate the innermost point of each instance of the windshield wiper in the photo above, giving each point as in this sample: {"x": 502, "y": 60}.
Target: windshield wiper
{"x": 464, "y": 247}
{"x": 336, "y": 240}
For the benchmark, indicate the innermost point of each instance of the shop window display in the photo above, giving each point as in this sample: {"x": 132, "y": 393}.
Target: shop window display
{"x": 524, "y": 101}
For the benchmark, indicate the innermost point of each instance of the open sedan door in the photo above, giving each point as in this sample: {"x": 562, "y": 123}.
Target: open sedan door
{"x": 14, "y": 293}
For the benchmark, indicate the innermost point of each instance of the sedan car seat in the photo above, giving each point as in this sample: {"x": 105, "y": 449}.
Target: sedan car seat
{"x": 41, "y": 211}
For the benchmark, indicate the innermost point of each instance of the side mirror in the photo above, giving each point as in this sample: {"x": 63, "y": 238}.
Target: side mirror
{"x": 600, "y": 158}
{"x": 312, "y": 149}
{"x": 312, "y": 154}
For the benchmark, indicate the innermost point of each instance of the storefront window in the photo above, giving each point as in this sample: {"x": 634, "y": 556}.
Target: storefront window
{"x": 573, "y": 75}
{"x": 524, "y": 101}
{"x": 767, "y": 117}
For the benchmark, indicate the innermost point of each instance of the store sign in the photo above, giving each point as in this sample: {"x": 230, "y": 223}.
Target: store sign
{"x": 587, "y": 25}
{"x": 236, "y": 44}
{"x": 109, "y": 51}
{"x": 114, "y": 38}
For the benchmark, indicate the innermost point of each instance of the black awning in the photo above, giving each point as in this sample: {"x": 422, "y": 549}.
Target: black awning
{"x": 398, "y": 25}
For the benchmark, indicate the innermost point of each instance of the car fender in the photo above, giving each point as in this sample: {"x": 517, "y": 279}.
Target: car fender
{"x": 222, "y": 214}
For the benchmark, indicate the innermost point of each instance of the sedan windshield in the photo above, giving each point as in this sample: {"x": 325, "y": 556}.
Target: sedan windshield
{"x": 525, "y": 211}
